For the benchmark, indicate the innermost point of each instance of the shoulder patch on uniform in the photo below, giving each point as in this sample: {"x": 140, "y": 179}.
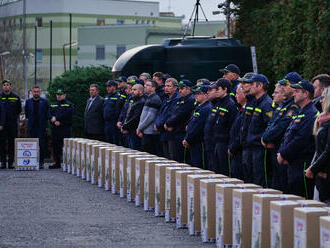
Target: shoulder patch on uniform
{"x": 290, "y": 113}
{"x": 269, "y": 114}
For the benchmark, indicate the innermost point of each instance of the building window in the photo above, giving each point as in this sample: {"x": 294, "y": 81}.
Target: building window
{"x": 136, "y": 21}
{"x": 39, "y": 55}
{"x": 100, "y": 22}
{"x": 120, "y": 50}
{"x": 154, "y": 22}
{"x": 20, "y": 23}
{"x": 100, "y": 53}
{"x": 39, "y": 21}
{"x": 142, "y": 22}
{"x": 120, "y": 22}
{"x": 148, "y": 21}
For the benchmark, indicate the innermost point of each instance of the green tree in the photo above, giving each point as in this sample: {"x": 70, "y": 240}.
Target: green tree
{"x": 76, "y": 85}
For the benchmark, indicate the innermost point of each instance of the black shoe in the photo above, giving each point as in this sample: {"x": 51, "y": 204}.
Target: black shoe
{"x": 10, "y": 167}
{"x": 41, "y": 167}
{"x": 3, "y": 165}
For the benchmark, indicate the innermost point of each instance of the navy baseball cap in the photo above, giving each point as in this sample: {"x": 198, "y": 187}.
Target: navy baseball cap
{"x": 204, "y": 82}
{"x": 185, "y": 83}
{"x": 136, "y": 81}
{"x": 200, "y": 89}
{"x": 247, "y": 77}
{"x": 261, "y": 78}
{"x": 304, "y": 84}
{"x": 60, "y": 92}
{"x": 222, "y": 82}
{"x": 291, "y": 77}
{"x": 6, "y": 81}
{"x": 231, "y": 68}
{"x": 122, "y": 79}
{"x": 111, "y": 83}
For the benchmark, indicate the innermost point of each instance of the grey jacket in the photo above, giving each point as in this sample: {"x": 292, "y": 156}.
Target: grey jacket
{"x": 149, "y": 113}
{"x": 93, "y": 117}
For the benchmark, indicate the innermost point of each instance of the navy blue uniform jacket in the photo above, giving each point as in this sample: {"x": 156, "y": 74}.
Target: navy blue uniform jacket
{"x": 195, "y": 127}
{"x": 110, "y": 112}
{"x": 225, "y": 116}
{"x": 63, "y": 111}
{"x": 298, "y": 142}
{"x": 163, "y": 114}
{"x": 262, "y": 114}
{"x": 280, "y": 121}
{"x": 181, "y": 113}
{"x": 12, "y": 107}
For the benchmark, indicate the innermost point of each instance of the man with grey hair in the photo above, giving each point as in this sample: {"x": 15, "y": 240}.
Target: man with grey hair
{"x": 145, "y": 76}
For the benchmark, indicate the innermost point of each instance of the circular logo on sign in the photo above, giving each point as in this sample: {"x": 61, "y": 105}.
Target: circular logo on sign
{"x": 27, "y": 154}
{"x": 26, "y": 161}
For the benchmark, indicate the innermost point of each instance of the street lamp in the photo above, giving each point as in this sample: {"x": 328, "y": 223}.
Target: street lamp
{"x": 3, "y": 72}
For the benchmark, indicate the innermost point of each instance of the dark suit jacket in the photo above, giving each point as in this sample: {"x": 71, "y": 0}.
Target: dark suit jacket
{"x": 93, "y": 118}
{"x": 43, "y": 111}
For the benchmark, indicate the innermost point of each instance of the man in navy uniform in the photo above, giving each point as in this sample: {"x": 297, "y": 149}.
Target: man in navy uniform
{"x": 61, "y": 113}
{"x": 254, "y": 156}
{"x": 12, "y": 108}
{"x": 170, "y": 89}
{"x": 178, "y": 119}
{"x": 226, "y": 114}
{"x": 231, "y": 72}
{"x": 195, "y": 128}
{"x": 276, "y": 129}
{"x": 37, "y": 113}
{"x": 297, "y": 148}
{"x": 110, "y": 113}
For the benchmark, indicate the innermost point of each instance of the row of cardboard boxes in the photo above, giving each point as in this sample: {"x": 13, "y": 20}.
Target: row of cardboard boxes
{"x": 220, "y": 209}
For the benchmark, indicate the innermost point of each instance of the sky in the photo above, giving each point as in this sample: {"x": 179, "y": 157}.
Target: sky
{"x": 185, "y": 7}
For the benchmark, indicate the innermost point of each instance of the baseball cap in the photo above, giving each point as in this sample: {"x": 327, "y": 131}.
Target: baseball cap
{"x": 291, "y": 77}
{"x": 204, "y": 82}
{"x": 136, "y": 81}
{"x": 60, "y": 92}
{"x": 6, "y": 81}
{"x": 231, "y": 68}
{"x": 304, "y": 84}
{"x": 185, "y": 83}
{"x": 111, "y": 83}
{"x": 261, "y": 78}
{"x": 247, "y": 77}
{"x": 200, "y": 89}
{"x": 122, "y": 79}
{"x": 223, "y": 82}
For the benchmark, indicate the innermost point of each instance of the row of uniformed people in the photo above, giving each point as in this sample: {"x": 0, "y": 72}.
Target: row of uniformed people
{"x": 252, "y": 140}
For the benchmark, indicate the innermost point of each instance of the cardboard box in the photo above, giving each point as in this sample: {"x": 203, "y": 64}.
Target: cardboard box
{"x": 311, "y": 203}
{"x": 306, "y": 224}
{"x": 149, "y": 184}
{"x": 107, "y": 168}
{"x": 261, "y": 219}
{"x": 73, "y": 157}
{"x": 224, "y": 213}
{"x": 194, "y": 217}
{"x": 115, "y": 168}
{"x": 160, "y": 177}
{"x": 328, "y": 209}
{"x": 242, "y": 216}
{"x": 65, "y": 153}
{"x": 281, "y": 219}
{"x": 207, "y": 208}
{"x": 123, "y": 171}
{"x": 139, "y": 178}
{"x": 130, "y": 170}
{"x": 170, "y": 190}
{"x": 83, "y": 160}
{"x": 88, "y": 161}
{"x": 94, "y": 163}
{"x": 101, "y": 167}
{"x": 325, "y": 231}
{"x": 182, "y": 196}
{"x": 26, "y": 153}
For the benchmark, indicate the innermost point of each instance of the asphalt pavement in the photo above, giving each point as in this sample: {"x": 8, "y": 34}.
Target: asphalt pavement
{"x": 50, "y": 208}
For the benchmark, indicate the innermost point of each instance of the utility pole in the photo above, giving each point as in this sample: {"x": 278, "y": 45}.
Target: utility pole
{"x": 227, "y": 11}
{"x": 25, "y": 52}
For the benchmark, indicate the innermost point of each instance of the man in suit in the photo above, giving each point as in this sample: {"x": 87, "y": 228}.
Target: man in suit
{"x": 93, "y": 117}
{"x": 37, "y": 113}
